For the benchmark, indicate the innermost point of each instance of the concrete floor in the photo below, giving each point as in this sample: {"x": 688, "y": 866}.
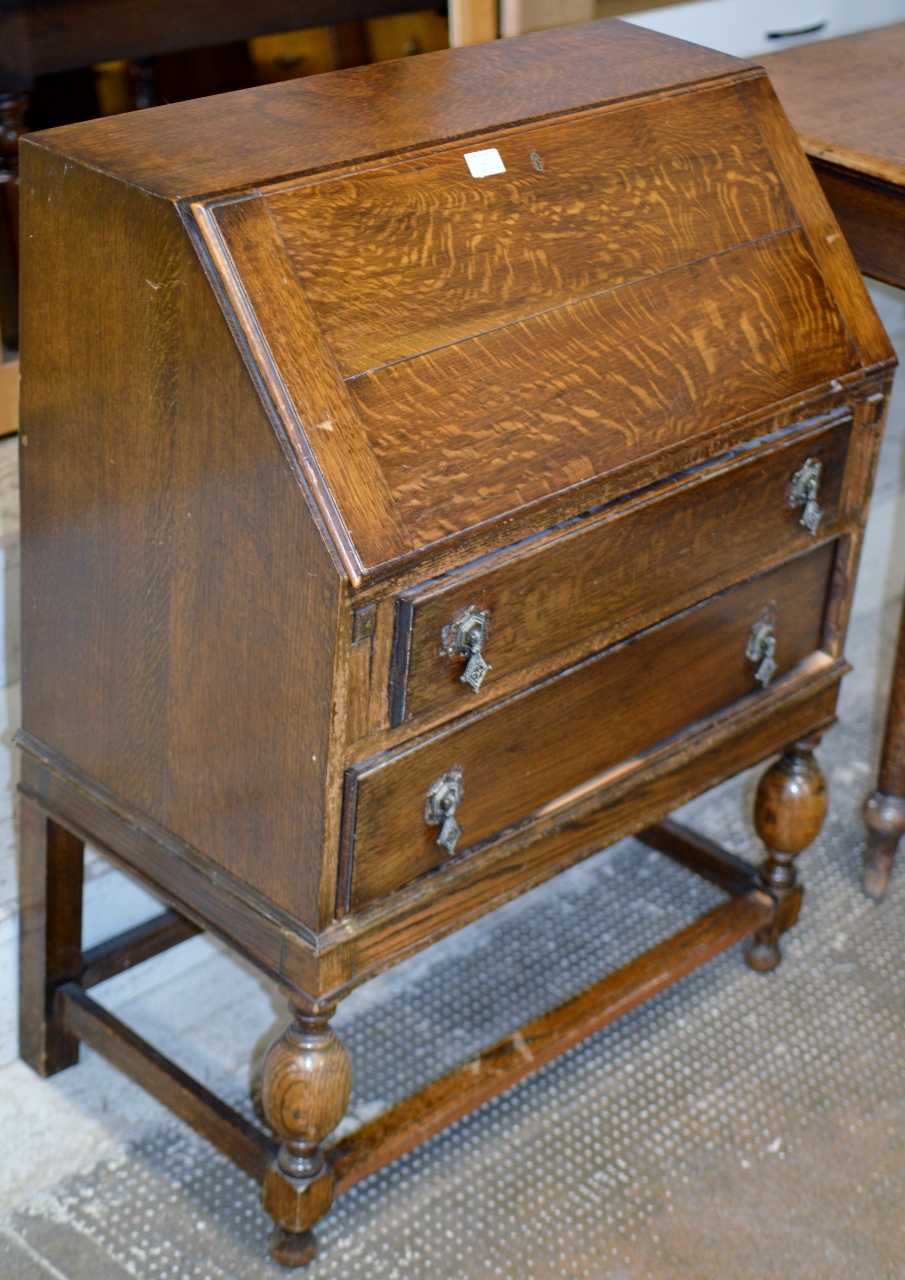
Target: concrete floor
{"x": 736, "y": 1126}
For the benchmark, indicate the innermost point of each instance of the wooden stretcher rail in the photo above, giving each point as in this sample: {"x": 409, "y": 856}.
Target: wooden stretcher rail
{"x": 461, "y": 1090}
{"x": 117, "y": 954}
{"x": 238, "y": 1139}
{"x": 469, "y": 1086}
{"x": 702, "y": 856}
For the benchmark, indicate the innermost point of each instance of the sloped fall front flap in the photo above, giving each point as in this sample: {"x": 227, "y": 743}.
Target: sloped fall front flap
{"x": 447, "y": 348}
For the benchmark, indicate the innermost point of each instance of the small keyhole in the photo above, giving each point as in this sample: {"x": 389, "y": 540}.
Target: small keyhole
{"x": 537, "y": 162}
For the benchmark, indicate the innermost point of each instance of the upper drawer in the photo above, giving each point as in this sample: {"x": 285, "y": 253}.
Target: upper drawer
{"x": 602, "y": 580}
{"x": 525, "y": 753}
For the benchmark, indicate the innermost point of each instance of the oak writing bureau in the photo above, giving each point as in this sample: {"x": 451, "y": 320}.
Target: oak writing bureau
{"x": 432, "y": 473}
{"x": 844, "y": 97}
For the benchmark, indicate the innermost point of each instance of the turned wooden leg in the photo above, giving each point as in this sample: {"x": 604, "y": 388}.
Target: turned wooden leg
{"x": 788, "y": 814}
{"x": 884, "y": 812}
{"x": 306, "y": 1082}
{"x": 50, "y": 935}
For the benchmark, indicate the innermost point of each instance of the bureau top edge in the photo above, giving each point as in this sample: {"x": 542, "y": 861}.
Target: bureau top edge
{"x": 236, "y": 141}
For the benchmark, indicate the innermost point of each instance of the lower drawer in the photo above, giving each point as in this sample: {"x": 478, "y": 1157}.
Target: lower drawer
{"x": 520, "y": 755}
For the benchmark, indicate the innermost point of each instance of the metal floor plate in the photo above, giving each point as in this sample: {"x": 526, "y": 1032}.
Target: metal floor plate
{"x": 735, "y": 1126}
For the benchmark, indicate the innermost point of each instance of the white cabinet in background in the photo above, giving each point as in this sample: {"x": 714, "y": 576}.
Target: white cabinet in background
{"x": 750, "y": 27}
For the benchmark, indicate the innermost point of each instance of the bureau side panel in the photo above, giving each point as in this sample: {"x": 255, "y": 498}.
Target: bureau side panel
{"x": 101, "y": 265}
{"x": 255, "y": 611}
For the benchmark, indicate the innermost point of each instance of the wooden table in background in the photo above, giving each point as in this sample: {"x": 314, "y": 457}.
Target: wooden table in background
{"x": 846, "y": 100}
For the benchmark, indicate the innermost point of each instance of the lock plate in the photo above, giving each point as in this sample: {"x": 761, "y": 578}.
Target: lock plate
{"x": 465, "y": 638}
{"x": 440, "y": 804}
{"x": 761, "y": 648}
{"x": 803, "y": 492}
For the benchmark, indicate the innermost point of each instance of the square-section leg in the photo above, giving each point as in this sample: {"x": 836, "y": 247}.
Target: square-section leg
{"x": 50, "y": 935}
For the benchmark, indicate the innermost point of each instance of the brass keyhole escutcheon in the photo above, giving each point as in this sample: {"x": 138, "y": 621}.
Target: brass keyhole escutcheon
{"x": 465, "y": 637}
{"x": 440, "y": 805}
{"x": 761, "y": 648}
{"x": 803, "y": 493}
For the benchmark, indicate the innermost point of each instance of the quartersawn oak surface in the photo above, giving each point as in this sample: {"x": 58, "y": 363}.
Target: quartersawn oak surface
{"x": 519, "y": 756}
{"x": 619, "y": 381}
{"x": 601, "y": 577}
{"x": 402, "y": 258}
{"x": 240, "y": 140}
{"x": 621, "y": 231}
{"x": 196, "y": 653}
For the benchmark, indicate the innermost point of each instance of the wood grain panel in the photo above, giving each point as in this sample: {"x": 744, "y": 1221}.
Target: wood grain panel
{"x": 302, "y": 377}
{"x": 399, "y": 260}
{"x": 475, "y": 430}
{"x": 527, "y": 752}
{"x": 254, "y": 617}
{"x": 101, "y": 324}
{"x": 670, "y": 553}
{"x": 240, "y": 140}
{"x": 359, "y": 947}
{"x": 832, "y": 254}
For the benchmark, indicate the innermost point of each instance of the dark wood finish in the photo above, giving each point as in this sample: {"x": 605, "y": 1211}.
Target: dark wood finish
{"x": 125, "y": 950}
{"x": 323, "y": 121}
{"x": 50, "y": 936}
{"x": 306, "y": 1082}
{"x": 789, "y": 811}
{"x": 469, "y": 1086}
{"x": 161, "y": 543}
{"x": 884, "y": 812}
{"x": 523, "y": 754}
{"x": 832, "y": 89}
{"x": 223, "y": 1127}
{"x": 238, "y": 470}
{"x": 595, "y": 350}
{"x": 320, "y": 969}
{"x": 12, "y": 127}
{"x": 591, "y": 412}
{"x": 871, "y": 215}
{"x": 830, "y": 251}
{"x": 845, "y": 98}
{"x": 600, "y": 580}
{"x": 703, "y": 856}
{"x": 36, "y": 39}
{"x": 305, "y": 385}
{"x": 544, "y": 239}
{"x": 307, "y": 1076}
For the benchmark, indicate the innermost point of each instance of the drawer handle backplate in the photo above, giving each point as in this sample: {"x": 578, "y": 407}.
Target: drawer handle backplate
{"x": 441, "y": 802}
{"x": 803, "y": 492}
{"x": 465, "y": 638}
{"x": 761, "y": 648}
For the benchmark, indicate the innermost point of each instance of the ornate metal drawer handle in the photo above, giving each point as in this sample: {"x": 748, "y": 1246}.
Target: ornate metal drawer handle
{"x": 465, "y": 637}
{"x": 761, "y": 648}
{"x": 803, "y": 491}
{"x": 441, "y": 802}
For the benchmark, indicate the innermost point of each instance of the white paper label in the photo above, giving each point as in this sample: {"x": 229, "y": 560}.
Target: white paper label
{"x": 482, "y": 164}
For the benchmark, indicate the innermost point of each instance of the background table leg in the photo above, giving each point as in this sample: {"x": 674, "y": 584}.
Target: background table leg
{"x": 884, "y": 812}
